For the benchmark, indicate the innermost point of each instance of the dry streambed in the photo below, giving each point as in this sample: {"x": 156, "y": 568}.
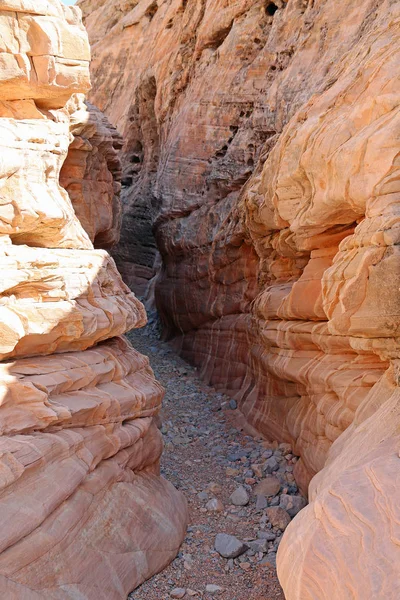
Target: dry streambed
{"x": 241, "y": 491}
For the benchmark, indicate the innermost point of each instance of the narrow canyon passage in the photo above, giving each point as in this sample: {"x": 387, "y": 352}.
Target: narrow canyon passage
{"x": 234, "y": 164}
{"x": 208, "y": 457}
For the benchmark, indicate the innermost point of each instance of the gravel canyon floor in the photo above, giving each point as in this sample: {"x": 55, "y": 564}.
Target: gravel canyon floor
{"x": 208, "y": 457}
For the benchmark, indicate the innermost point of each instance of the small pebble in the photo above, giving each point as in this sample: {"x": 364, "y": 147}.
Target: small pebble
{"x": 178, "y": 593}
{"x": 213, "y": 589}
{"x": 229, "y": 546}
{"x": 239, "y": 497}
{"x": 278, "y": 517}
{"x": 215, "y": 505}
{"x": 292, "y": 504}
{"x": 269, "y": 486}
{"x": 261, "y": 502}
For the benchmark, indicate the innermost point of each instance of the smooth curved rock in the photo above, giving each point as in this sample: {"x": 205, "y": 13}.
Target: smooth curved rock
{"x": 92, "y": 526}
{"x": 110, "y": 383}
{"x": 33, "y": 149}
{"x": 353, "y": 511}
{"x": 57, "y": 300}
{"x": 243, "y": 288}
{"x": 84, "y": 510}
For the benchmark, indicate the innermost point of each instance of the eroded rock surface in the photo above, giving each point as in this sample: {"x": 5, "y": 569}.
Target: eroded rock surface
{"x": 262, "y": 140}
{"x": 84, "y": 510}
{"x": 91, "y": 173}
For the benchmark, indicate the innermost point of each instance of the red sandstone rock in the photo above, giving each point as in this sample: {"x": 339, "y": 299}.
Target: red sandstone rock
{"x": 264, "y": 135}
{"x": 91, "y": 173}
{"x": 57, "y": 300}
{"x": 84, "y": 509}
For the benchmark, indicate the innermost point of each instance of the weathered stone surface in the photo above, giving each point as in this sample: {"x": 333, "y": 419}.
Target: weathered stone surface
{"x": 84, "y": 510}
{"x": 239, "y": 497}
{"x": 247, "y": 268}
{"x": 278, "y": 517}
{"x": 110, "y": 383}
{"x": 78, "y": 499}
{"x": 33, "y": 149}
{"x": 264, "y": 139}
{"x": 229, "y": 546}
{"x": 56, "y": 300}
{"x": 269, "y": 486}
{"x": 44, "y": 52}
{"x": 353, "y": 506}
{"x": 292, "y": 504}
{"x": 91, "y": 173}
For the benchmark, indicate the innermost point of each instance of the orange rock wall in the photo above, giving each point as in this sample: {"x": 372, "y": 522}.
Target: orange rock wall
{"x": 266, "y": 143}
{"x": 84, "y": 510}
{"x": 91, "y": 173}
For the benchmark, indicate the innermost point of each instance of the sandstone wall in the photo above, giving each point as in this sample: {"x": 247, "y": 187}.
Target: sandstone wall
{"x": 91, "y": 173}
{"x": 84, "y": 511}
{"x": 262, "y": 141}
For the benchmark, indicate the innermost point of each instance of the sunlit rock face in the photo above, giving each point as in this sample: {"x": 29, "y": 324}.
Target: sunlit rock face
{"x": 84, "y": 510}
{"x": 262, "y": 144}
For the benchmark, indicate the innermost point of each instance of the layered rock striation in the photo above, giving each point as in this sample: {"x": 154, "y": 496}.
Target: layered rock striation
{"x": 84, "y": 510}
{"x": 262, "y": 147}
{"x": 91, "y": 173}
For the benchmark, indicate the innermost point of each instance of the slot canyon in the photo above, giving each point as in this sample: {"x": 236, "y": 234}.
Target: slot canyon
{"x": 232, "y": 166}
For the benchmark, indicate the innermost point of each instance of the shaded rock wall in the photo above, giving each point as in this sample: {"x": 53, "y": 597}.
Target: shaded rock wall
{"x": 84, "y": 510}
{"x": 91, "y": 173}
{"x": 266, "y": 143}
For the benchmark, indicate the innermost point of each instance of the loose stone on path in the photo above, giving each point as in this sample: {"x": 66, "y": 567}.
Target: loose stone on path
{"x": 239, "y": 497}
{"x": 232, "y": 483}
{"x": 229, "y": 546}
{"x": 269, "y": 486}
{"x": 278, "y": 517}
{"x": 178, "y": 593}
